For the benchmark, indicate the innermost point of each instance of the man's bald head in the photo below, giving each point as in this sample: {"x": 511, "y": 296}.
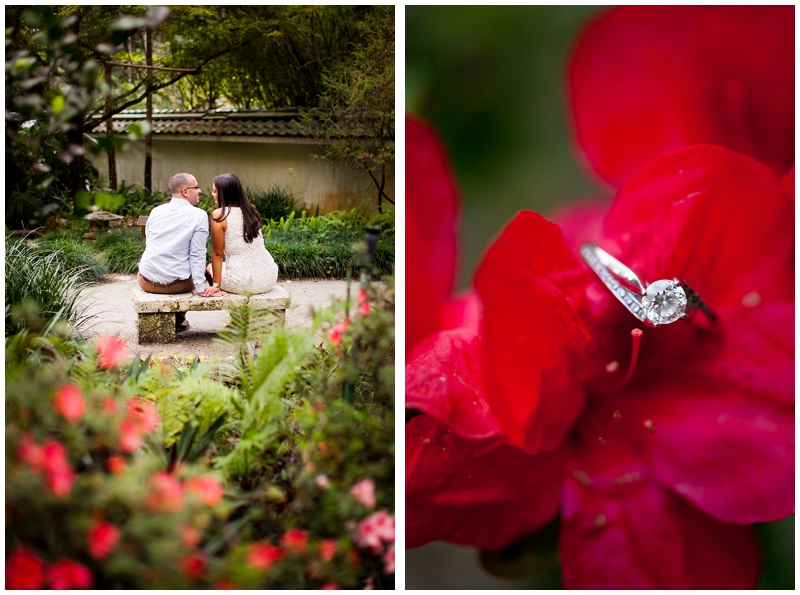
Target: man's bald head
{"x": 179, "y": 181}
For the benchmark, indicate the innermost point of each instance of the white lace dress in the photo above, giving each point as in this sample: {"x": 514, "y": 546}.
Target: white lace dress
{"x": 248, "y": 268}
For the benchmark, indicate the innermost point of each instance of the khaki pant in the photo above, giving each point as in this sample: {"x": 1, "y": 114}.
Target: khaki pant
{"x": 179, "y": 286}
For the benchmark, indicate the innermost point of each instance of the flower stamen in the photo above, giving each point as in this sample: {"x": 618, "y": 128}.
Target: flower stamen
{"x": 636, "y": 337}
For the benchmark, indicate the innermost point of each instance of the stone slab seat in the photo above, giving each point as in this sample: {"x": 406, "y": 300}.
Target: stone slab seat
{"x": 156, "y": 311}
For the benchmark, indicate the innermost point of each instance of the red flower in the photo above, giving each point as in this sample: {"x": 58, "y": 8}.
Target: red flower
{"x": 388, "y": 560}
{"x": 67, "y": 574}
{"x": 31, "y": 454}
{"x": 69, "y": 403}
{"x": 130, "y": 436}
{"x": 262, "y": 554}
{"x": 24, "y": 571}
{"x": 143, "y": 412}
{"x": 337, "y": 331}
{"x": 329, "y": 587}
{"x": 646, "y": 80}
{"x": 166, "y": 492}
{"x": 656, "y": 477}
{"x": 56, "y": 467}
{"x": 296, "y": 541}
{"x": 194, "y": 566}
{"x": 327, "y": 550}
{"x": 365, "y": 308}
{"x": 375, "y": 530}
{"x": 189, "y": 535}
{"x": 102, "y": 537}
{"x": 110, "y": 351}
{"x": 209, "y": 488}
{"x": 116, "y": 464}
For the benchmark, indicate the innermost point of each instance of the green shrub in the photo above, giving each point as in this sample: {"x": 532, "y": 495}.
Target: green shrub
{"x": 75, "y": 254}
{"x": 274, "y": 203}
{"x": 122, "y": 251}
{"x": 40, "y": 290}
{"x": 139, "y": 201}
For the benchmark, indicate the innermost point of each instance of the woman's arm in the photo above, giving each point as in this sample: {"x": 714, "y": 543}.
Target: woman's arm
{"x": 217, "y": 251}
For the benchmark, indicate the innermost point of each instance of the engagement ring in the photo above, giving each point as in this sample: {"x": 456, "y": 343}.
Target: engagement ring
{"x": 657, "y": 303}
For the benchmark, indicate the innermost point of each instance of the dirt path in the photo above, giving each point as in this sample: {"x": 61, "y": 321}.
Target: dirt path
{"x": 111, "y": 304}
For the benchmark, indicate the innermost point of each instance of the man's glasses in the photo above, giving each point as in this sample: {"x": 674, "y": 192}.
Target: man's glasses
{"x": 192, "y": 187}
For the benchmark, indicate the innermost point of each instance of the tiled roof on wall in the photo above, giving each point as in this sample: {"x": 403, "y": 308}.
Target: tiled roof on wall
{"x": 277, "y": 123}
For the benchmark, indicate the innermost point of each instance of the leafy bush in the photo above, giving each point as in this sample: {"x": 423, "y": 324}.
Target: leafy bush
{"x": 294, "y": 488}
{"x": 122, "y": 250}
{"x": 74, "y": 254}
{"x": 139, "y": 201}
{"x": 40, "y": 290}
{"x": 274, "y": 203}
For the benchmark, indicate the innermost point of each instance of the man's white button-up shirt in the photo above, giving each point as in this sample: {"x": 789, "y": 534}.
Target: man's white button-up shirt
{"x": 176, "y": 244}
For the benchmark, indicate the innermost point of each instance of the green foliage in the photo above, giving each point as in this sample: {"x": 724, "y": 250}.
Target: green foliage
{"x": 40, "y": 290}
{"x": 139, "y": 201}
{"x": 122, "y": 250}
{"x": 273, "y": 204}
{"x": 75, "y": 255}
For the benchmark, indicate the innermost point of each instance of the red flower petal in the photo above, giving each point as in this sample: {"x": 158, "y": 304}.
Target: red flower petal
{"x": 102, "y": 537}
{"x": 69, "y": 403}
{"x": 638, "y": 536}
{"x": 716, "y": 219}
{"x": 24, "y": 571}
{"x": 731, "y": 456}
{"x": 445, "y": 379}
{"x": 261, "y": 555}
{"x": 208, "y": 488}
{"x": 788, "y": 183}
{"x": 475, "y": 492}
{"x": 530, "y": 287}
{"x": 67, "y": 574}
{"x": 581, "y": 221}
{"x": 646, "y": 80}
{"x": 431, "y": 221}
{"x": 110, "y": 351}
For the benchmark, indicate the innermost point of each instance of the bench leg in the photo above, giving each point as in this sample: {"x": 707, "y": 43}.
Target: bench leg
{"x": 157, "y": 328}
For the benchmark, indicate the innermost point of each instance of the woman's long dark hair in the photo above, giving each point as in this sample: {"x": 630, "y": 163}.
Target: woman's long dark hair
{"x": 230, "y": 193}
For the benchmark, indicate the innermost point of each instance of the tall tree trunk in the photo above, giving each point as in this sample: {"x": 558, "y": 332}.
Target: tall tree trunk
{"x": 77, "y": 167}
{"x": 112, "y": 153}
{"x": 148, "y": 139}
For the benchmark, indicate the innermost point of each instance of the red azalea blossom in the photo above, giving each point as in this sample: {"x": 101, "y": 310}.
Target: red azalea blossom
{"x": 189, "y": 535}
{"x": 329, "y": 587}
{"x": 67, "y": 574}
{"x": 338, "y": 330}
{"x": 130, "y": 436}
{"x": 58, "y": 472}
{"x": 208, "y": 487}
{"x": 365, "y": 308}
{"x": 110, "y": 351}
{"x": 102, "y": 537}
{"x": 327, "y": 550}
{"x": 31, "y": 454}
{"x": 364, "y": 492}
{"x": 193, "y": 566}
{"x": 69, "y": 403}
{"x": 24, "y": 571}
{"x": 375, "y": 531}
{"x": 166, "y": 492}
{"x": 530, "y": 413}
{"x": 646, "y": 80}
{"x": 143, "y": 412}
{"x": 116, "y": 464}
{"x": 296, "y": 541}
{"x": 261, "y": 555}
{"x": 226, "y": 585}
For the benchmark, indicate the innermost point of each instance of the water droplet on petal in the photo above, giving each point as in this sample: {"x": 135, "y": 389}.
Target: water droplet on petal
{"x": 648, "y": 423}
{"x": 617, "y": 414}
{"x": 600, "y": 520}
{"x": 751, "y": 300}
{"x": 426, "y": 440}
{"x": 612, "y": 367}
{"x": 601, "y": 439}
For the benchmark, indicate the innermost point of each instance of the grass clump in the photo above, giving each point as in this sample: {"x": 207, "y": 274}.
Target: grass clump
{"x": 272, "y": 204}
{"x": 122, "y": 251}
{"x": 75, "y": 255}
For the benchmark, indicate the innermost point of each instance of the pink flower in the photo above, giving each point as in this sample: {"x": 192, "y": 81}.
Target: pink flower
{"x": 110, "y": 351}
{"x": 69, "y": 403}
{"x": 296, "y": 541}
{"x": 335, "y": 336}
{"x": 388, "y": 560}
{"x": 327, "y": 550}
{"x": 364, "y": 308}
{"x": 375, "y": 530}
{"x": 193, "y": 566}
{"x": 364, "y": 492}
{"x": 102, "y": 537}
{"x": 144, "y": 413}
{"x": 262, "y": 554}
{"x": 165, "y": 492}
{"x": 130, "y": 436}
{"x": 208, "y": 487}
{"x": 116, "y": 464}
{"x": 24, "y": 571}
{"x": 362, "y": 296}
{"x": 31, "y": 453}
{"x": 189, "y": 535}
{"x": 322, "y": 481}
{"x": 57, "y": 470}
{"x": 67, "y": 574}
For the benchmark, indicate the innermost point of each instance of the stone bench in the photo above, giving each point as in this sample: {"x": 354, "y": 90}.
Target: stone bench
{"x": 156, "y": 311}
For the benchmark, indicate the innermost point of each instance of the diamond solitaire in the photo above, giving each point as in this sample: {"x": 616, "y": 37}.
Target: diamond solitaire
{"x": 657, "y": 303}
{"x": 664, "y": 302}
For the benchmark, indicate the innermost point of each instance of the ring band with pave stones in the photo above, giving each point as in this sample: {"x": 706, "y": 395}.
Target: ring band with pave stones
{"x": 657, "y": 303}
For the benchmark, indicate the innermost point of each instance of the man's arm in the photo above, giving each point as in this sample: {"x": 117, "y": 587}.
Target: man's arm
{"x": 197, "y": 255}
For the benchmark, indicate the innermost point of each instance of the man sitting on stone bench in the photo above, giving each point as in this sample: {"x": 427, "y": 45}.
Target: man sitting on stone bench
{"x": 174, "y": 259}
